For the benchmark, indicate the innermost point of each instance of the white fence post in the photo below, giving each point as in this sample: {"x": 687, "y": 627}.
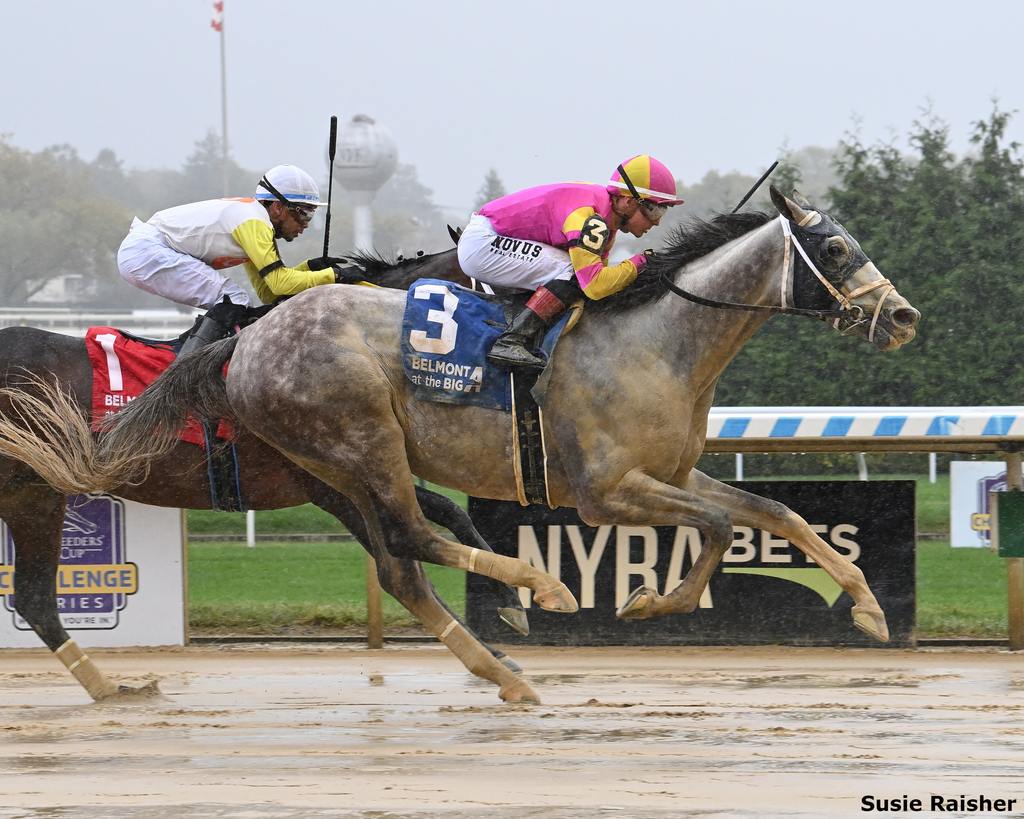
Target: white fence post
{"x": 250, "y": 528}
{"x": 932, "y": 467}
{"x": 739, "y": 466}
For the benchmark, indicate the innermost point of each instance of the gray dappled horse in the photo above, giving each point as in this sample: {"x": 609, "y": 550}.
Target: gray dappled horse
{"x": 625, "y": 414}
{"x": 34, "y": 510}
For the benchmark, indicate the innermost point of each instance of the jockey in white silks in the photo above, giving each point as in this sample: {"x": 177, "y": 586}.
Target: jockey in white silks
{"x": 555, "y": 240}
{"x": 179, "y": 252}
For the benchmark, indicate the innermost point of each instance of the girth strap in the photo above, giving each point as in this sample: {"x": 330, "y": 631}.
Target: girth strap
{"x": 222, "y": 472}
{"x": 529, "y": 459}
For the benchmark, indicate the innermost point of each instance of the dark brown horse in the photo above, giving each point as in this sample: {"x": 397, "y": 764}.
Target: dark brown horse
{"x": 34, "y": 510}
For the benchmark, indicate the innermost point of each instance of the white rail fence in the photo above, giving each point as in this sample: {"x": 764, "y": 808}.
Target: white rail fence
{"x": 163, "y": 324}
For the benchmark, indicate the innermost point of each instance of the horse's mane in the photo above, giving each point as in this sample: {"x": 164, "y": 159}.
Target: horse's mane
{"x": 688, "y": 241}
{"x": 376, "y": 263}
{"x": 399, "y": 273}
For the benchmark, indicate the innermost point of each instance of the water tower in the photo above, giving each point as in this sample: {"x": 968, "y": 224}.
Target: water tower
{"x": 365, "y": 159}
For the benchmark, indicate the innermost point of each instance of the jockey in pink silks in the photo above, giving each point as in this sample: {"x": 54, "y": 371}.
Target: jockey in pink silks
{"x": 555, "y": 240}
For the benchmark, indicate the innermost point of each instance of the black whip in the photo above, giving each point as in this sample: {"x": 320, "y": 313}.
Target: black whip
{"x": 331, "y": 147}
{"x": 756, "y": 185}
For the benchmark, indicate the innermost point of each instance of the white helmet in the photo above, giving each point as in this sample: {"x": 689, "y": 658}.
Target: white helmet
{"x": 289, "y": 185}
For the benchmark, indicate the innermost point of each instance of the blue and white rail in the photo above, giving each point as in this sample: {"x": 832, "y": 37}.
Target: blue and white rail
{"x": 818, "y": 429}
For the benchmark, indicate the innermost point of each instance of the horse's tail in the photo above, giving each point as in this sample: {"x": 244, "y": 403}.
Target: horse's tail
{"x": 43, "y": 427}
{"x": 149, "y": 427}
{"x": 46, "y": 429}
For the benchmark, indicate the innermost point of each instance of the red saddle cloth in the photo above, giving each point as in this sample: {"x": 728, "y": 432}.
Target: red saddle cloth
{"x": 122, "y": 368}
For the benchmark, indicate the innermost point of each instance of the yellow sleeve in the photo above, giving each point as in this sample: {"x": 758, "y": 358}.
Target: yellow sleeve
{"x": 591, "y": 240}
{"x": 267, "y": 273}
{"x": 599, "y": 280}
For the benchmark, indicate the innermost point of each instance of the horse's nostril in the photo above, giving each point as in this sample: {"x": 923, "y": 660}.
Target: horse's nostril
{"x": 905, "y": 317}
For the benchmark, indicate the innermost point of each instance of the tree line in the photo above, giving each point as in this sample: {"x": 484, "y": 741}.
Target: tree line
{"x": 949, "y": 233}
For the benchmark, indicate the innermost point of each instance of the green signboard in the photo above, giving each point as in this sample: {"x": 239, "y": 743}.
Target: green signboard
{"x": 1007, "y": 510}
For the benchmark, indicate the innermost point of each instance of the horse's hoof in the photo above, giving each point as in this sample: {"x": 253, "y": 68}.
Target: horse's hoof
{"x": 557, "y": 598}
{"x": 519, "y": 691}
{"x": 105, "y": 691}
{"x": 637, "y": 605}
{"x": 516, "y": 620}
{"x": 871, "y": 622}
{"x": 508, "y": 662}
{"x": 135, "y": 693}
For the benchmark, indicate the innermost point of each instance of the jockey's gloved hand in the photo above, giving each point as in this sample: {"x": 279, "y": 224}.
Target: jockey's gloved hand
{"x": 322, "y": 263}
{"x": 228, "y": 315}
{"x": 348, "y": 274}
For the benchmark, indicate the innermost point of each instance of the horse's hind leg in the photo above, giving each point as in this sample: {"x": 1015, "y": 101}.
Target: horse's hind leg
{"x": 364, "y": 458}
{"x": 763, "y": 513}
{"x": 35, "y": 515}
{"x": 347, "y": 434}
{"x": 445, "y": 512}
{"x": 405, "y": 581}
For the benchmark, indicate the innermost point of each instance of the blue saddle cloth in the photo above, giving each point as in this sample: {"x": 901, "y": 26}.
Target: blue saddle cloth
{"x": 446, "y": 333}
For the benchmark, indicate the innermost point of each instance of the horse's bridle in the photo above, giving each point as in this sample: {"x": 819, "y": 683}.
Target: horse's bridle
{"x": 845, "y": 319}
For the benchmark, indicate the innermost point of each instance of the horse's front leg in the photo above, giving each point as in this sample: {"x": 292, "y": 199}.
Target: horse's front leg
{"x": 762, "y": 513}
{"x": 35, "y": 514}
{"x": 642, "y": 500}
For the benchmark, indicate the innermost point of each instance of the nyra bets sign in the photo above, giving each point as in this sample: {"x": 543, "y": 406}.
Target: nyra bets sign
{"x": 120, "y": 578}
{"x": 765, "y": 590}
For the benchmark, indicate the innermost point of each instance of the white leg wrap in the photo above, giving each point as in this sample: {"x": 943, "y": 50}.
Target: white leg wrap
{"x": 452, "y": 625}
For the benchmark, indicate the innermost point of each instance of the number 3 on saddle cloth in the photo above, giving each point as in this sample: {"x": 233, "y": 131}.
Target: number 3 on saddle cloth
{"x": 122, "y": 367}
{"x": 446, "y": 333}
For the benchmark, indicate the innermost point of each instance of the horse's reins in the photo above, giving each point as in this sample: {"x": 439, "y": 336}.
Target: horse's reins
{"x": 848, "y": 311}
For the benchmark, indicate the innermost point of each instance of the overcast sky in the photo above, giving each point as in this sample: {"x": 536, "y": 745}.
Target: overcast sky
{"x": 541, "y": 90}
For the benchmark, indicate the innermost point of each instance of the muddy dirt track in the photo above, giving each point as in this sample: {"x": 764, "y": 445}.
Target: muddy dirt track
{"x": 276, "y": 731}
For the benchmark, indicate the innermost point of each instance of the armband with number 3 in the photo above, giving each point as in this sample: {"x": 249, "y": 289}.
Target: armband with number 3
{"x": 594, "y": 234}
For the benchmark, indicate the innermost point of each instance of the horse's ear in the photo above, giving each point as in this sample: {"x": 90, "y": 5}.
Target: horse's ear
{"x": 801, "y": 201}
{"x": 455, "y": 233}
{"x": 787, "y": 207}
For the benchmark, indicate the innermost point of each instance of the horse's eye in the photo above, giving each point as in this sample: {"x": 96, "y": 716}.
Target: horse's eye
{"x": 835, "y": 248}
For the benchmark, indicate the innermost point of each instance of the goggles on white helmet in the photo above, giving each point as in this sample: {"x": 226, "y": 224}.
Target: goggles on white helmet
{"x": 293, "y": 188}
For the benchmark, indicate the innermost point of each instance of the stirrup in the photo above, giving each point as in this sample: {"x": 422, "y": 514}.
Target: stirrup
{"x": 514, "y": 357}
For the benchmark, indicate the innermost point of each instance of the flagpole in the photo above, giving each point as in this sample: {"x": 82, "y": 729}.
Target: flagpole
{"x": 223, "y": 108}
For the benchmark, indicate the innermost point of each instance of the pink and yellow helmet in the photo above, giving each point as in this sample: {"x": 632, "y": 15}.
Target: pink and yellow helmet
{"x": 651, "y": 179}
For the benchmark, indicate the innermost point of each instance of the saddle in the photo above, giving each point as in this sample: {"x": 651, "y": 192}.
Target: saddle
{"x": 123, "y": 366}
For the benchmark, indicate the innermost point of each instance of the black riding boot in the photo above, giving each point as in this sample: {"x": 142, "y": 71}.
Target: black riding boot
{"x": 209, "y": 330}
{"x": 219, "y": 322}
{"x": 509, "y": 350}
